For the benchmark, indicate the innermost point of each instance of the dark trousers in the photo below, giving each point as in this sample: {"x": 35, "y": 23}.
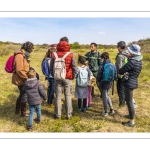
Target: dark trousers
{"x": 128, "y": 98}
{"x": 80, "y": 103}
{"x": 21, "y": 101}
{"x": 50, "y": 91}
{"x": 120, "y": 90}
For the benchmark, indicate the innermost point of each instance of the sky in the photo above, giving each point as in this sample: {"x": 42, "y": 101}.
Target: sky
{"x": 82, "y": 30}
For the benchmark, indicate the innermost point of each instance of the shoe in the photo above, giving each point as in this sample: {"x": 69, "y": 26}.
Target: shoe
{"x": 104, "y": 114}
{"x": 83, "y": 109}
{"x": 37, "y": 121}
{"x": 29, "y": 128}
{"x": 24, "y": 115}
{"x": 51, "y": 105}
{"x": 79, "y": 109}
{"x": 122, "y": 103}
{"x": 112, "y": 111}
{"x": 129, "y": 124}
{"x": 135, "y": 106}
{"x": 55, "y": 117}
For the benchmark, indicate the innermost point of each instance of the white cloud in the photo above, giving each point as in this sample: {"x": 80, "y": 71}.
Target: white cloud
{"x": 101, "y": 33}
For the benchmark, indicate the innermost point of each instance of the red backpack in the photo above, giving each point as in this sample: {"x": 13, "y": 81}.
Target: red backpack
{"x": 10, "y": 63}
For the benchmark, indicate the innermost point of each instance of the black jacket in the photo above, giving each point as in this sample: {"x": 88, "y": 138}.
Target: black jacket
{"x": 133, "y": 67}
{"x": 35, "y": 91}
{"x": 104, "y": 85}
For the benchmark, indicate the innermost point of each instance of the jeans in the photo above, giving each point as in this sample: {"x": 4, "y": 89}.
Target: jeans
{"x": 37, "y": 108}
{"x": 50, "y": 91}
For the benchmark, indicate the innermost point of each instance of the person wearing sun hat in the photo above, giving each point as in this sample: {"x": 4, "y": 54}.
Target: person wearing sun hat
{"x": 131, "y": 71}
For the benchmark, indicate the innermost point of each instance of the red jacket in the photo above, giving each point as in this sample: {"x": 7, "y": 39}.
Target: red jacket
{"x": 62, "y": 48}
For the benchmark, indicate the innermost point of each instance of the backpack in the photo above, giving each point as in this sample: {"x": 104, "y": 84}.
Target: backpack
{"x": 82, "y": 78}
{"x": 59, "y": 69}
{"x": 108, "y": 72}
{"x": 9, "y": 66}
{"x": 46, "y": 67}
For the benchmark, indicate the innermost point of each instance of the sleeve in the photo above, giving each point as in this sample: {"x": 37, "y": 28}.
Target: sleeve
{"x": 99, "y": 59}
{"x": 126, "y": 68}
{"x": 119, "y": 63}
{"x": 86, "y": 56}
{"x": 115, "y": 76}
{"x": 99, "y": 74}
{"x": 74, "y": 67}
{"x": 19, "y": 67}
{"x": 41, "y": 91}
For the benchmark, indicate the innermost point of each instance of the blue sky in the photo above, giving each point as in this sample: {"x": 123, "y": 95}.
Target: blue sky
{"x": 82, "y": 30}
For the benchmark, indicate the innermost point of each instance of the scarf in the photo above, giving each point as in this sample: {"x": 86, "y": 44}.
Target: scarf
{"x": 27, "y": 55}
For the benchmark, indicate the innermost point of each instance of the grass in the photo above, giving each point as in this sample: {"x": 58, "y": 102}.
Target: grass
{"x": 91, "y": 121}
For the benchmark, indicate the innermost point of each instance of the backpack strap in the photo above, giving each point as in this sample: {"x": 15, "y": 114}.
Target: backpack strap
{"x": 66, "y": 55}
{"x": 55, "y": 54}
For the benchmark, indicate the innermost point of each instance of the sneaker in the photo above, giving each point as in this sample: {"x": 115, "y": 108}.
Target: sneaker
{"x": 79, "y": 109}
{"x": 83, "y": 109}
{"x": 122, "y": 103}
{"x": 51, "y": 105}
{"x": 104, "y": 114}
{"x": 135, "y": 106}
{"x": 29, "y": 128}
{"x": 129, "y": 124}
{"x": 112, "y": 111}
{"x": 55, "y": 117}
{"x": 37, "y": 121}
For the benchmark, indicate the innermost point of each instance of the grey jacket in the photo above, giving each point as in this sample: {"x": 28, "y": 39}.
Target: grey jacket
{"x": 120, "y": 59}
{"x": 35, "y": 91}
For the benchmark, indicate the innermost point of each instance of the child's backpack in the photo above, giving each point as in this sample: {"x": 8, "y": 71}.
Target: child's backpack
{"x": 82, "y": 78}
{"x": 9, "y": 66}
{"x": 108, "y": 72}
{"x": 59, "y": 69}
{"x": 46, "y": 67}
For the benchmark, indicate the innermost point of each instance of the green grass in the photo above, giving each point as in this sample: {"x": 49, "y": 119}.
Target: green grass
{"x": 91, "y": 121}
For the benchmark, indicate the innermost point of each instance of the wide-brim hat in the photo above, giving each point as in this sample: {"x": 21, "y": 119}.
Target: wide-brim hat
{"x": 135, "y": 49}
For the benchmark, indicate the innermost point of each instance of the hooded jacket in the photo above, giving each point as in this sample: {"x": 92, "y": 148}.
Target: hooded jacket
{"x": 71, "y": 69}
{"x": 133, "y": 67}
{"x": 35, "y": 91}
{"x": 21, "y": 67}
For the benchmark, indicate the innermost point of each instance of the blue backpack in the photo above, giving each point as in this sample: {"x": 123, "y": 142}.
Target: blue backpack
{"x": 46, "y": 67}
{"x": 82, "y": 78}
{"x": 108, "y": 72}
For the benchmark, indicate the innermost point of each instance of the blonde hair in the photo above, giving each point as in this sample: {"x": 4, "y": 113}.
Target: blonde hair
{"x": 31, "y": 74}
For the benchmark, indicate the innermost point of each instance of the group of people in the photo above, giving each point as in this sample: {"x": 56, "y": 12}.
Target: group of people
{"x": 91, "y": 66}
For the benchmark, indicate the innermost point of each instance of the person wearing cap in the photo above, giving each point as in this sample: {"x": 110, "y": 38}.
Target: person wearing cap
{"x": 131, "y": 71}
{"x": 50, "y": 79}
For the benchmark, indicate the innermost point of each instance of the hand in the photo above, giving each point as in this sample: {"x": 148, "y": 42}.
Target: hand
{"x": 79, "y": 54}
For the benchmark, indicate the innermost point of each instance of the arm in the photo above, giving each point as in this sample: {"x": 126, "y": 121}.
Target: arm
{"x": 119, "y": 64}
{"x": 74, "y": 67}
{"x": 51, "y": 66}
{"x": 86, "y": 56}
{"x": 99, "y": 59}
{"x": 41, "y": 91}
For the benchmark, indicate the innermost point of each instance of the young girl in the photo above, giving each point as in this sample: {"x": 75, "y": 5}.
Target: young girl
{"x": 82, "y": 91}
{"x": 105, "y": 86}
{"x": 51, "y": 81}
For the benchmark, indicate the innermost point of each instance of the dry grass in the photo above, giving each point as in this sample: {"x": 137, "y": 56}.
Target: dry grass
{"x": 91, "y": 121}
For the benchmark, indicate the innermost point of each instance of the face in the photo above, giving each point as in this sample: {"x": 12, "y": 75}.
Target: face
{"x": 92, "y": 47}
{"x": 119, "y": 49}
{"x": 52, "y": 49}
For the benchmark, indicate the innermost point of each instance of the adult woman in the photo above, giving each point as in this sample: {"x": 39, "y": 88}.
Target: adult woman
{"x": 21, "y": 67}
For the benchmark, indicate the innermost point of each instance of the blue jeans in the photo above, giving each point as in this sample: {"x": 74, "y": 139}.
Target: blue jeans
{"x": 37, "y": 108}
{"x": 50, "y": 91}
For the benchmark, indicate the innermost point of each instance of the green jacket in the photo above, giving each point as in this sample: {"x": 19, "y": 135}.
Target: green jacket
{"x": 94, "y": 60}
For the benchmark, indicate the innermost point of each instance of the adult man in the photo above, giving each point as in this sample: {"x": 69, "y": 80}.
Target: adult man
{"x": 71, "y": 71}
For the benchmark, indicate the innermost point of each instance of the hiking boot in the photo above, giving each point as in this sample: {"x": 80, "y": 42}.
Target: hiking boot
{"x": 112, "y": 112}
{"x": 128, "y": 124}
{"x": 104, "y": 114}
{"x": 24, "y": 115}
{"x": 29, "y": 128}
{"x": 121, "y": 103}
{"x": 83, "y": 109}
{"x": 55, "y": 117}
{"x": 37, "y": 121}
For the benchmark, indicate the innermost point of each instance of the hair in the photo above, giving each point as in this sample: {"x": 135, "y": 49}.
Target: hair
{"x": 31, "y": 74}
{"x": 105, "y": 55}
{"x": 81, "y": 60}
{"x": 121, "y": 44}
{"x": 94, "y": 44}
{"x": 27, "y": 46}
{"x": 64, "y": 39}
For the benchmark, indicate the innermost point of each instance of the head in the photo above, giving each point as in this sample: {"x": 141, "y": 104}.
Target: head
{"x": 104, "y": 56}
{"x": 93, "y": 46}
{"x": 134, "y": 50}
{"x": 27, "y": 46}
{"x": 64, "y": 39}
{"x": 51, "y": 49}
{"x": 81, "y": 60}
{"x": 31, "y": 74}
{"x": 121, "y": 45}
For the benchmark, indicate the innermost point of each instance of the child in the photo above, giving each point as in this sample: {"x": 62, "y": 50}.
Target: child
{"x": 34, "y": 91}
{"x": 81, "y": 91}
{"x": 105, "y": 85}
{"x": 49, "y": 77}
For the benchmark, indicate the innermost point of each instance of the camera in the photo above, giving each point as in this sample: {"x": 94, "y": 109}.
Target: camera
{"x": 126, "y": 76}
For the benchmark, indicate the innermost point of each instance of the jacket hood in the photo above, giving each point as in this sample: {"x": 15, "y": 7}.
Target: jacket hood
{"x": 63, "y": 46}
{"x": 125, "y": 52}
{"x": 106, "y": 61}
{"x": 30, "y": 83}
{"x": 138, "y": 57}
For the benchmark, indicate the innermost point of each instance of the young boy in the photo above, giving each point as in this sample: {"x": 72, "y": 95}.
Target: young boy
{"x": 34, "y": 91}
